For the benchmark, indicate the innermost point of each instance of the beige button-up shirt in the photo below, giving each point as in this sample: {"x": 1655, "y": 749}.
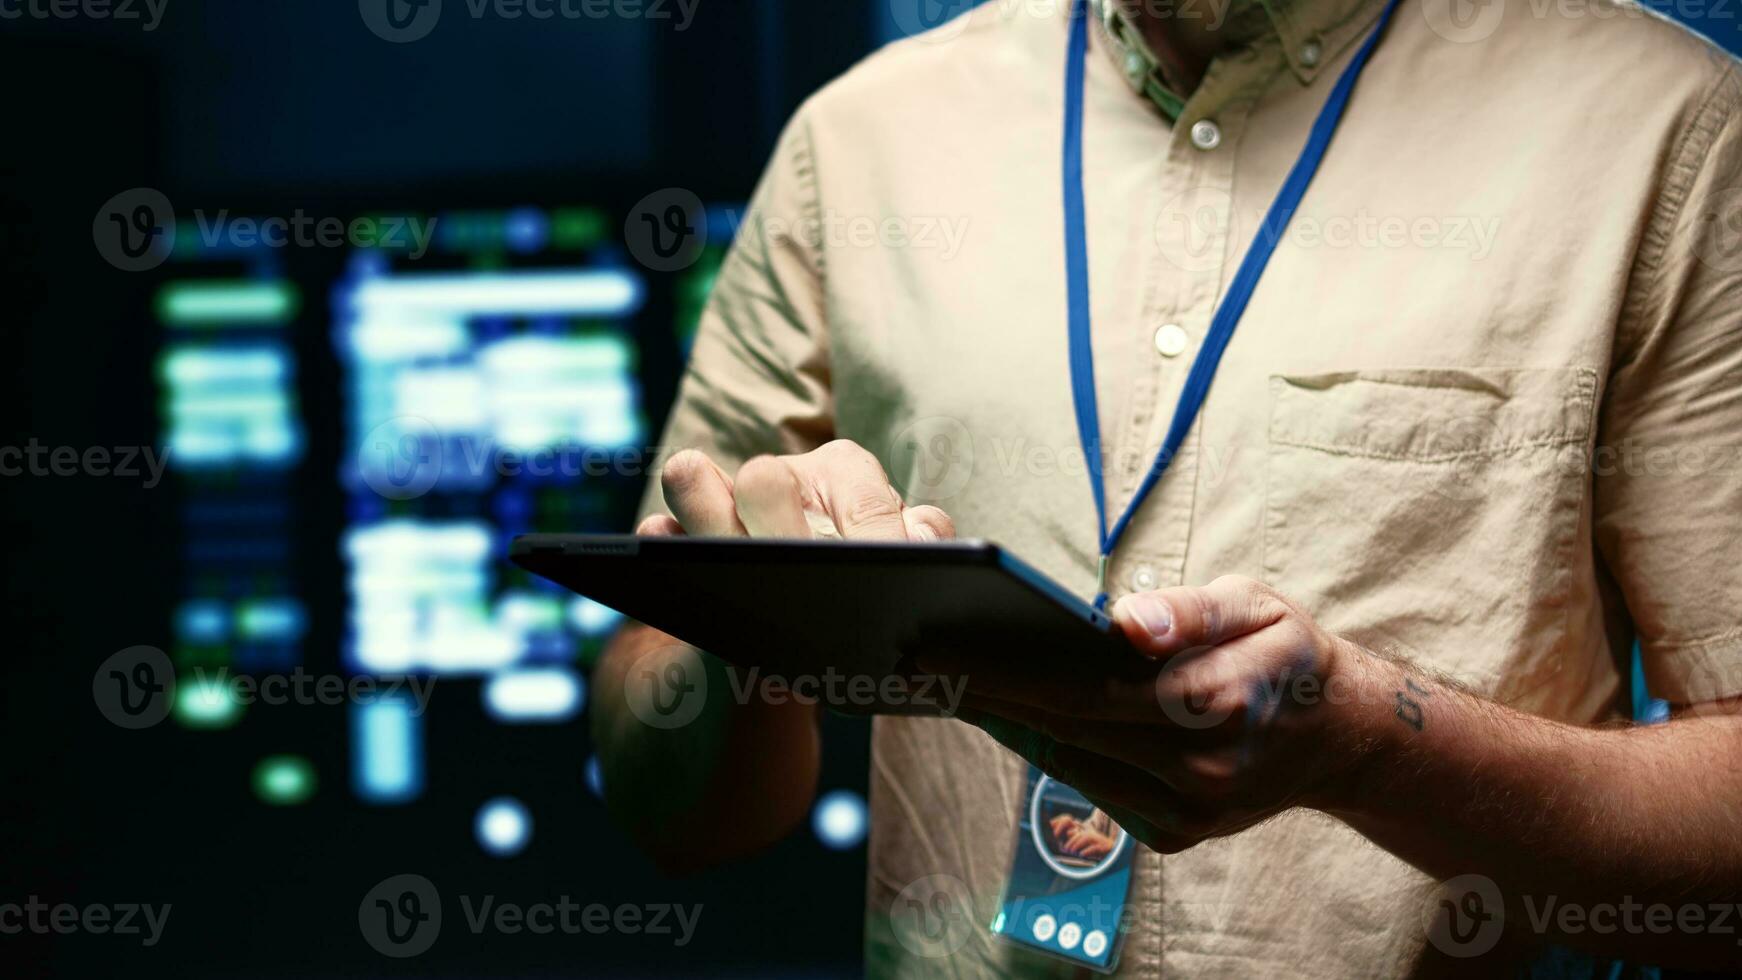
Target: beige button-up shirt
{"x": 1484, "y": 411}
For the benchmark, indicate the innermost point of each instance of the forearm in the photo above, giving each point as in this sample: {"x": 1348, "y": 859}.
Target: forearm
{"x": 1554, "y": 814}
{"x": 695, "y": 788}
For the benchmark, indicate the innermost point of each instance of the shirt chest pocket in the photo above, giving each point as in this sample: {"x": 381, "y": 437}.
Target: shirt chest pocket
{"x": 1435, "y": 511}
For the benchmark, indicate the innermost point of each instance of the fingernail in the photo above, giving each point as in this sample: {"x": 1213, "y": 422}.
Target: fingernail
{"x": 1150, "y": 613}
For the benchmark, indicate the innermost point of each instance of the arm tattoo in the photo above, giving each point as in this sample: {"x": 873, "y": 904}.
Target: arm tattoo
{"x": 1409, "y": 708}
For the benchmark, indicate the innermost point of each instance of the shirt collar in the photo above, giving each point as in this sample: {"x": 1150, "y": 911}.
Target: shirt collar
{"x": 1313, "y": 33}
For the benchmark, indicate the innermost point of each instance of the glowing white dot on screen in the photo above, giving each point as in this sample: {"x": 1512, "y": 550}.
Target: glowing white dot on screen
{"x": 504, "y": 827}
{"x": 839, "y": 820}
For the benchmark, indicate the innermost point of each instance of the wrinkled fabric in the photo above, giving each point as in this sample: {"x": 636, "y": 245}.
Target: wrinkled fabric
{"x": 1483, "y": 411}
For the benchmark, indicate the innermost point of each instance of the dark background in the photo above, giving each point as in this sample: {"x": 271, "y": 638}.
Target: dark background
{"x": 265, "y": 107}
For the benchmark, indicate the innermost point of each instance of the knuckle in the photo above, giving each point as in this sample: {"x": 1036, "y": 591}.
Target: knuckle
{"x": 869, "y": 505}
{"x": 1208, "y": 614}
{"x": 1271, "y": 607}
{"x": 1262, "y": 601}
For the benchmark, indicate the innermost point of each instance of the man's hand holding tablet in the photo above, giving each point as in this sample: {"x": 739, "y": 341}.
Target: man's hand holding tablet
{"x": 740, "y": 775}
{"x": 1211, "y": 737}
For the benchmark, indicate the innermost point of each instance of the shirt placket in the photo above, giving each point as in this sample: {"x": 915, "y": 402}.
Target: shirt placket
{"x": 1194, "y": 235}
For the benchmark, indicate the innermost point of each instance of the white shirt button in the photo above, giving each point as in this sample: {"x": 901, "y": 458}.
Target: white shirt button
{"x": 1206, "y": 135}
{"x": 1171, "y": 340}
{"x": 1143, "y": 579}
{"x": 1311, "y": 52}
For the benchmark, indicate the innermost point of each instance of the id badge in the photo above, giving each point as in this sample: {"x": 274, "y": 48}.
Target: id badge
{"x": 1069, "y": 879}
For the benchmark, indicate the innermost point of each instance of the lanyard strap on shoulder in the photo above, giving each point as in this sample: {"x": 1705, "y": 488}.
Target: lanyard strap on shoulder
{"x": 1227, "y": 315}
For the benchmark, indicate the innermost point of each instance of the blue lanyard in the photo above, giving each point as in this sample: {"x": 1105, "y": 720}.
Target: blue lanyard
{"x": 1228, "y": 314}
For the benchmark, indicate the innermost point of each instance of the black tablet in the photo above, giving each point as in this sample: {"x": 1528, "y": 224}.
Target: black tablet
{"x": 845, "y": 614}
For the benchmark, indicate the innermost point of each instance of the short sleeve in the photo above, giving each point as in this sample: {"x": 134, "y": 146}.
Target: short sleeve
{"x": 1667, "y": 473}
{"x": 758, "y": 375}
